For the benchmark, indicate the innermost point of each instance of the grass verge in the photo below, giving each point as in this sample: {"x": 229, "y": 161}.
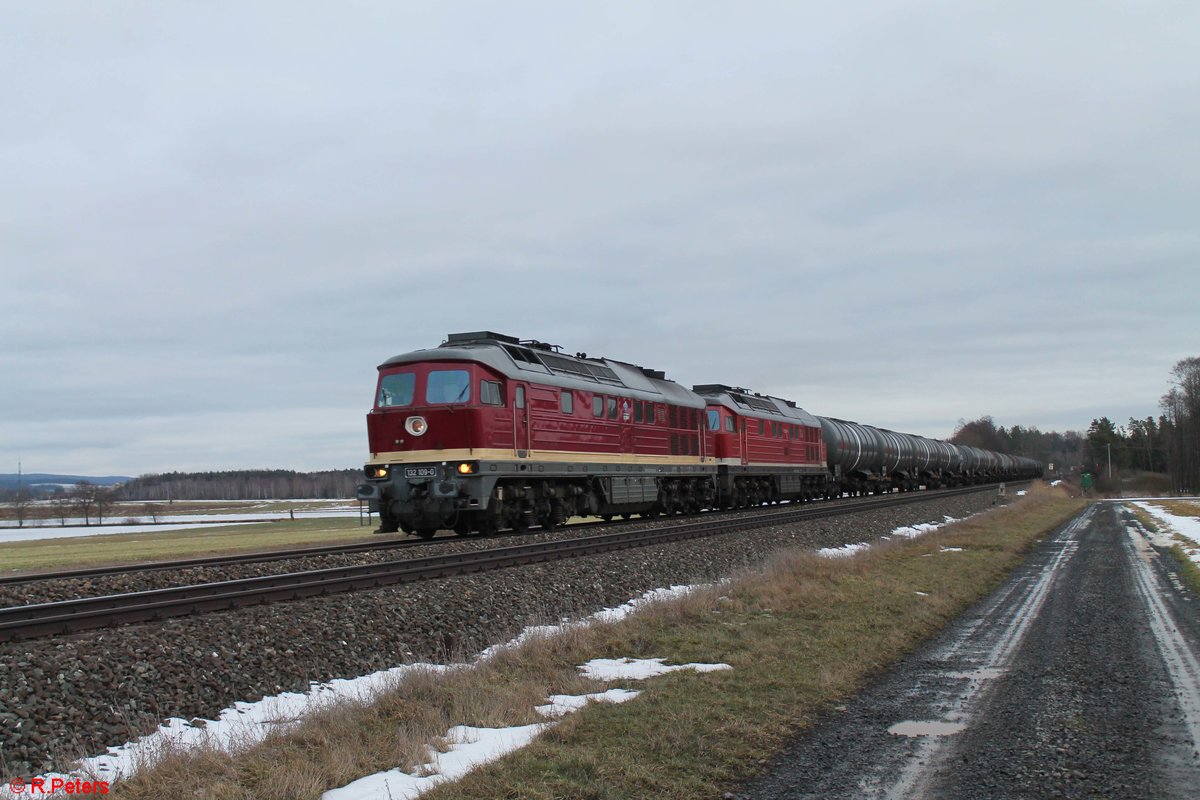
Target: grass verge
{"x": 1181, "y": 552}
{"x": 1188, "y": 567}
{"x": 802, "y": 634}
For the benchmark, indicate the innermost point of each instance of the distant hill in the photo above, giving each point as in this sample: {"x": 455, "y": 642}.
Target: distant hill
{"x": 42, "y": 478}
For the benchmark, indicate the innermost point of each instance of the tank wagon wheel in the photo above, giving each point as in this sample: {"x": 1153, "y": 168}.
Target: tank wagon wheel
{"x": 426, "y": 533}
{"x": 606, "y": 517}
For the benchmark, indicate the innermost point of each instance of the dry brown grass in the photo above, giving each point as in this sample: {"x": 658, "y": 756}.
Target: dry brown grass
{"x": 1180, "y": 508}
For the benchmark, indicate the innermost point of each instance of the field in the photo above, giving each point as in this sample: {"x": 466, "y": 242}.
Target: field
{"x": 95, "y": 546}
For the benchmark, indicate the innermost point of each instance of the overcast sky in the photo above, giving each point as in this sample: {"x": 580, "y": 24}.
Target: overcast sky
{"x": 217, "y": 219}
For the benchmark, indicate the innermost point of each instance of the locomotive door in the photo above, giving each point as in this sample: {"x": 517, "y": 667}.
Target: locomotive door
{"x": 626, "y": 424}
{"x": 520, "y": 421}
{"x": 742, "y": 442}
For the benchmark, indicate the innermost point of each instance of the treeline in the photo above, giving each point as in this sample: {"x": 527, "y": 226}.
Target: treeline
{"x": 1169, "y": 443}
{"x": 1063, "y": 450}
{"x": 259, "y": 484}
{"x": 1181, "y": 430}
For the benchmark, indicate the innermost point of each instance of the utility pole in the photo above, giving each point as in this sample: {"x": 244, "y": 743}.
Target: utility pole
{"x": 1110, "y": 461}
{"x": 19, "y": 501}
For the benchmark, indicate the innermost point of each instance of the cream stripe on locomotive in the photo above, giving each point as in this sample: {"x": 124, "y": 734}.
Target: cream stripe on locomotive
{"x": 737, "y": 462}
{"x": 496, "y": 454}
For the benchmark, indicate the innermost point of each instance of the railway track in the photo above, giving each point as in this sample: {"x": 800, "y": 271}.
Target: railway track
{"x": 71, "y": 616}
{"x": 267, "y": 556}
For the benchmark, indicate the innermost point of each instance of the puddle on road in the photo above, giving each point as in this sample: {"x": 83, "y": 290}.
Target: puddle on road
{"x": 926, "y": 728}
{"x": 981, "y": 674}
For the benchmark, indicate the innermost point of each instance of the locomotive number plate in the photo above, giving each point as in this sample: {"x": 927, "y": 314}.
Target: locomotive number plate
{"x": 420, "y": 472}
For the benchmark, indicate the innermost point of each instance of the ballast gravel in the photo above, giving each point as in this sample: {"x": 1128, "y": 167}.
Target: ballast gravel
{"x": 66, "y": 697}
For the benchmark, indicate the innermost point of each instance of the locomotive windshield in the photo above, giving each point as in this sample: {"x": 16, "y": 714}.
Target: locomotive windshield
{"x": 448, "y": 386}
{"x": 397, "y": 390}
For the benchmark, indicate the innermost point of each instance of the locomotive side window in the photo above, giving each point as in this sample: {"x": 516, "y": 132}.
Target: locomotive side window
{"x": 597, "y": 406}
{"x": 612, "y": 407}
{"x": 731, "y": 425}
{"x": 761, "y": 427}
{"x": 397, "y": 390}
{"x": 489, "y": 393}
{"x": 714, "y": 420}
{"x": 637, "y": 410}
{"x": 448, "y": 386}
{"x": 519, "y": 400}
{"x": 567, "y": 402}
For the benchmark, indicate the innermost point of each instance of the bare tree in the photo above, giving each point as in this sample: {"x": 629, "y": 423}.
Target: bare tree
{"x": 104, "y": 501}
{"x": 84, "y": 496}
{"x": 1181, "y": 414}
{"x": 20, "y": 504}
{"x": 62, "y": 503}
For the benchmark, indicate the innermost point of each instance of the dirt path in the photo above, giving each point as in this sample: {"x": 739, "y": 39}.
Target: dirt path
{"x": 1080, "y": 677}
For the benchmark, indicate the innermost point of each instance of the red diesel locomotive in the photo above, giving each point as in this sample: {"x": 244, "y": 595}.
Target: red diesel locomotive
{"x": 488, "y": 432}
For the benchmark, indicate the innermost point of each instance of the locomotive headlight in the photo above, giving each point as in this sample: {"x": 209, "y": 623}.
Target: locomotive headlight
{"x": 468, "y": 468}
{"x": 377, "y": 471}
{"x": 416, "y": 425}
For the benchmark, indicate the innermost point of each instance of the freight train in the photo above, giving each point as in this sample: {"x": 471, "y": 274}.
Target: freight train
{"x": 488, "y": 432}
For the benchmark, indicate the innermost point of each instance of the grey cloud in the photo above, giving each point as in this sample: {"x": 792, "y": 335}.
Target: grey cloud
{"x": 218, "y": 219}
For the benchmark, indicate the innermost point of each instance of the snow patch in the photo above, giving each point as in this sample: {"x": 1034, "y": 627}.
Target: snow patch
{"x": 845, "y": 551}
{"x": 562, "y": 704}
{"x": 1186, "y": 528}
{"x": 469, "y": 748}
{"x": 636, "y": 669}
{"x": 904, "y": 532}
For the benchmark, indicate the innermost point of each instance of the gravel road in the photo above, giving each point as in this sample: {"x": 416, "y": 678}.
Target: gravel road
{"x": 1079, "y": 678}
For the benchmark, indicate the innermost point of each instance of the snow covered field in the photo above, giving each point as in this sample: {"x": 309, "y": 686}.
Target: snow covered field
{"x": 140, "y": 523}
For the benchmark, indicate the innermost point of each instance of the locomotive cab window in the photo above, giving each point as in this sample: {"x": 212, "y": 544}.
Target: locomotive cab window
{"x": 731, "y": 424}
{"x": 448, "y": 386}
{"x": 396, "y": 390}
{"x": 567, "y": 402}
{"x": 519, "y": 402}
{"x": 597, "y": 406}
{"x": 489, "y": 393}
{"x": 714, "y": 420}
{"x": 612, "y": 407}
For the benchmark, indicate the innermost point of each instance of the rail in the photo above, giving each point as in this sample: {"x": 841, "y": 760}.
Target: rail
{"x": 71, "y": 616}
